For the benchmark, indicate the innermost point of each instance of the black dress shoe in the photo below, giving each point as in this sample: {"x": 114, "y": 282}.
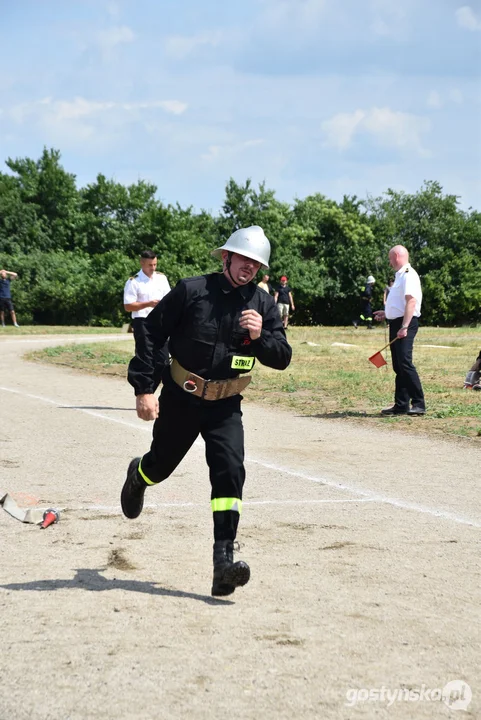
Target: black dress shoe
{"x": 394, "y": 411}
{"x": 416, "y": 410}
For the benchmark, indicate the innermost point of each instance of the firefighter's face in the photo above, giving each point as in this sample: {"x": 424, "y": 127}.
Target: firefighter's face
{"x": 242, "y": 269}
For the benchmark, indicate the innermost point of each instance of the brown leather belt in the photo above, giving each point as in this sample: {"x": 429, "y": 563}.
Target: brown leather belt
{"x": 207, "y": 389}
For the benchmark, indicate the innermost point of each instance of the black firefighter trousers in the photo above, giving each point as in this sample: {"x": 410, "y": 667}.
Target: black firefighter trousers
{"x": 182, "y": 417}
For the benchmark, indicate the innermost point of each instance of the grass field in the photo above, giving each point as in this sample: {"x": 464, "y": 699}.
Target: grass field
{"x": 336, "y": 381}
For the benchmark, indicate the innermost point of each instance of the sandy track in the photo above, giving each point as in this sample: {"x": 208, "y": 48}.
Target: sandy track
{"x": 364, "y": 549}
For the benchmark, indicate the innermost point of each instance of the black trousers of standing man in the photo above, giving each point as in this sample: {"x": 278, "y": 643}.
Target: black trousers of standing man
{"x": 182, "y": 417}
{"x": 408, "y": 384}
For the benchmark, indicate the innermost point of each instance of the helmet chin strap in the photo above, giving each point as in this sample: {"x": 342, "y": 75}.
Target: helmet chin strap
{"x": 227, "y": 267}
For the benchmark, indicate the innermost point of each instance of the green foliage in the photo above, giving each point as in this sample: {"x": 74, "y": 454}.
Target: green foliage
{"x": 51, "y": 196}
{"x": 75, "y": 248}
{"x": 115, "y": 217}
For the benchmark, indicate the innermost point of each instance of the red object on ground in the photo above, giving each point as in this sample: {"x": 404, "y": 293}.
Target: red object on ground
{"x": 377, "y": 359}
{"x": 50, "y": 517}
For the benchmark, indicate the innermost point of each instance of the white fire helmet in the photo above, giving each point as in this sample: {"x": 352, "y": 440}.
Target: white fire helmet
{"x": 250, "y": 242}
{"x": 371, "y": 279}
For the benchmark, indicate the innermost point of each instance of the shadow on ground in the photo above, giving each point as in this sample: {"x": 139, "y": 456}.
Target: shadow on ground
{"x": 346, "y": 414}
{"x": 93, "y": 407}
{"x": 92, "y": 580}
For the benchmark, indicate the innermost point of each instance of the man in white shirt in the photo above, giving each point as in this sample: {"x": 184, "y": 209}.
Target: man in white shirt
{"x": 403, "y": 308}
{"x": 142, "y": 292}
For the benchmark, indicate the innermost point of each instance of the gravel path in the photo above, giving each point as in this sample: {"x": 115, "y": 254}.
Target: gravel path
{"x": 363, "y": 544}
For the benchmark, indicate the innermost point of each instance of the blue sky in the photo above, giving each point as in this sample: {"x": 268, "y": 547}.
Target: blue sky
{"x": 331, "y": 96}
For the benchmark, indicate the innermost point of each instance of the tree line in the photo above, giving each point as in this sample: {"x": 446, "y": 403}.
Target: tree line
{"x": 74, "y": 248}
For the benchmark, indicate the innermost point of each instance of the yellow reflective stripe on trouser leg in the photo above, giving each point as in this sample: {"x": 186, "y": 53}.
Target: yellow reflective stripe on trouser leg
{"x": 149, "y": 482}
{"x": 222, "y": 504}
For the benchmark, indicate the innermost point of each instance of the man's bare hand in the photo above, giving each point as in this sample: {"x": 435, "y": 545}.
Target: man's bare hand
{"x": 251, "y": 320}
{"x": 147, "y": 407}
{"x": 379, "y": 315}
{"x": 153, "y": 303}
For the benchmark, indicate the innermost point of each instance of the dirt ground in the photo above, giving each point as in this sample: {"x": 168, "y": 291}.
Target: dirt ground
{"x": 363, "y": 544}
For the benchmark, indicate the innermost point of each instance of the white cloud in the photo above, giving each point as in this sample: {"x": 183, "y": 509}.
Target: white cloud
{"x": 89, "y": 124}
{"x": 19, "y": 112}
{"x": 305, "y": 14}
{"x": 113, "y": 36}
{"x": 212, "y": 153}
{"x": 180, "y": 46}
{"x": 341, "y": 128}
{"x": 113, "y": 9}
{"x": 79, "y": 107}
{"x": 434, "y": 99}
{"x": 456, "y": 96}
{"x": 388, "y": 17}
{"x": 215, "y": 152}
{"x": 467, "y": 18}
{"x": 175, "y": 107}
{"x": 390, "y": 128}
{"x": 397, "y": 128}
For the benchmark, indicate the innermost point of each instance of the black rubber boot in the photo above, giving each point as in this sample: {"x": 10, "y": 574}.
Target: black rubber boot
{"x": 132, "y": 496}
{"x": 228, "y": 574}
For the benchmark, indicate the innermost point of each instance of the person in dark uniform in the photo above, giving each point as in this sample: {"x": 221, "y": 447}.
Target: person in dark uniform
{"x": 217, "y": 325}
{"x": 402, "y": 312}
{"x": 366, "y": 307}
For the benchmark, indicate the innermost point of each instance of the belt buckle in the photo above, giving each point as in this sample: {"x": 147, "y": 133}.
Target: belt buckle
{"x": 192, "y": 386}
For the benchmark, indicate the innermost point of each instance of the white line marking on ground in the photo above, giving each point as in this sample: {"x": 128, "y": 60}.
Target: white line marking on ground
{"x": 72, "y": 338}
{"x": 369, "y": 494}
{"x": 396, "y": 502}
{"x": 35, "y": 397}
{"x": 135, "y": 426}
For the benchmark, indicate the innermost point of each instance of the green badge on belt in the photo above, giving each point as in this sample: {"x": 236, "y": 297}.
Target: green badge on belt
{"x": 241, "y": 362}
